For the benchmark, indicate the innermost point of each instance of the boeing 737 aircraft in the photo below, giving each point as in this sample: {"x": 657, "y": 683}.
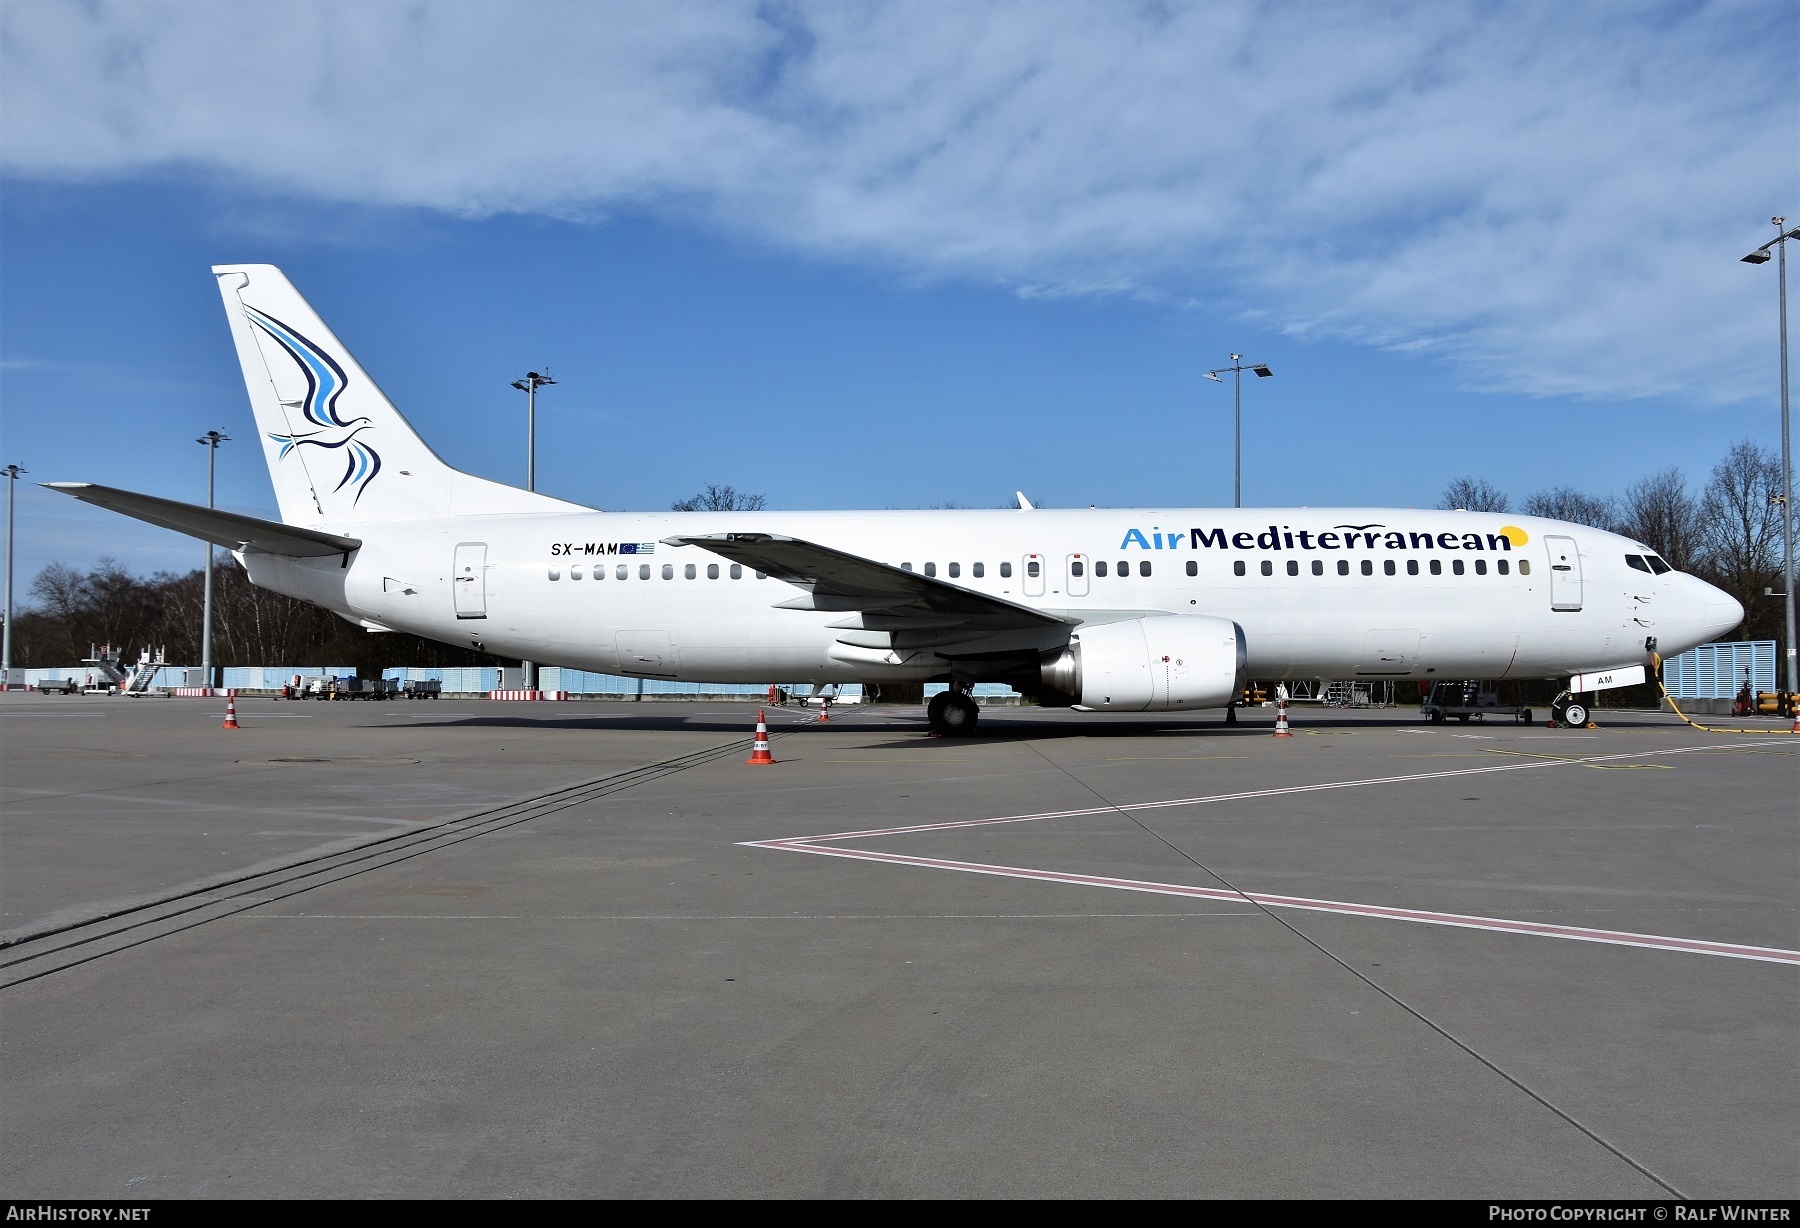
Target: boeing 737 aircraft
{"x": 1164, "y": 609}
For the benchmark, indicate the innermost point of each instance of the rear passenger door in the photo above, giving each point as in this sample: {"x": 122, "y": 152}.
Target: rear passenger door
{"x": 470, "y": 580}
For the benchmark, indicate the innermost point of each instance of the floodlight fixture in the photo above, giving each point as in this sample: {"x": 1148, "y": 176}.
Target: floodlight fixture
{"x": 1237, "y": 368}
{"x": 1778, "y": 247}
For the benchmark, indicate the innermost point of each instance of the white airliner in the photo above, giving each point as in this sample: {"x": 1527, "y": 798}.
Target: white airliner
{"x": 1165, "y": 609}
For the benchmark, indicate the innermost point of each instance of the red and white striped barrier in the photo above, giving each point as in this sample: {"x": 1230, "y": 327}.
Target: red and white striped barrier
{"x": 202, "y": 692}
{"x": 526, "y": 696}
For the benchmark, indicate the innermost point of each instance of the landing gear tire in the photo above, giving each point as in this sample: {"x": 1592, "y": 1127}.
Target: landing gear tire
{"x": 953, "y": 714}
{"x": 1437, "y": 718}
{"x": 1575, "y": 716}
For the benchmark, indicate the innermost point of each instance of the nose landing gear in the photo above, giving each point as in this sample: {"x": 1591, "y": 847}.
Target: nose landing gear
{"x": 953, "y": 714}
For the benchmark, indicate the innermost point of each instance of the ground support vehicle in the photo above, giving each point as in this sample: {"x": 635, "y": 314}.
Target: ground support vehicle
{"x": 1471, "y": 698}
{"x": 422, "y": 688}
{"x": 57, "y": 686}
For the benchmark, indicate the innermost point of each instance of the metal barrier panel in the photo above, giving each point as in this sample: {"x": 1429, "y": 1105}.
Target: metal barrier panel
{"x": 1718, "y": 671}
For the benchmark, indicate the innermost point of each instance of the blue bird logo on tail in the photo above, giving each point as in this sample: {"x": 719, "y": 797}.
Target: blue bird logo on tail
{"x": 325, "y": 381}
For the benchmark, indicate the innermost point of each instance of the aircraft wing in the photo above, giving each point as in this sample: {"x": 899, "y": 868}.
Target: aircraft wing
{"x": 227, "y": 529}
{"x": 835, "y": 580}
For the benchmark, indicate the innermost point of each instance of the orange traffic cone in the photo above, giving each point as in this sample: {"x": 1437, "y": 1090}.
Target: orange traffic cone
{"x": 1281, "y": 725}
{"x": 825, "y": 712}
{"x": 759, "y": 753}
{"x": 230, "y": 712}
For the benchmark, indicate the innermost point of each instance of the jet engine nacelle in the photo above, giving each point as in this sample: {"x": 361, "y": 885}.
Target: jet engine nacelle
{"x": 1150, "y": 664}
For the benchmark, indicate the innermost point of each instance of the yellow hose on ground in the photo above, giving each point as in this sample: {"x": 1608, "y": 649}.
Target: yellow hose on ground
{"x": 1657, "y": 661}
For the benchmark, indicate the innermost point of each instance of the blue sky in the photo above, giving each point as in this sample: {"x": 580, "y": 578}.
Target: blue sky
{"x": 851, "y": 256}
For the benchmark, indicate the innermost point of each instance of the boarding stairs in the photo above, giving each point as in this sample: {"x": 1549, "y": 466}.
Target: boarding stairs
{"x": 104, "y": 659}
{"x": 144, "y": 673}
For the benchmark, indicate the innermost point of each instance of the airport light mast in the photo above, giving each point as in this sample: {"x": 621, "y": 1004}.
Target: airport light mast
{"x": 211, "y": 441}
{"x": 1237, "y": 369}
{"x": 1761, "y": 256}
{"x": 11, "y": 472}
{"x": 529, "y": 386}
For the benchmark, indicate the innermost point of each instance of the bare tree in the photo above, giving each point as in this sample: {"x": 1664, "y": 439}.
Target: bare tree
{"x": 716, "y": 498}
{"x": 1475, "y": 495}
{"x": 1659, "y": 511}
{"x": 1740, "y": 531}
{"x": 1574, "y": 506}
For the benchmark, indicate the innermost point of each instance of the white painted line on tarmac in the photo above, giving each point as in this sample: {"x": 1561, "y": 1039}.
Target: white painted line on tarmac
{"x": 817, "y": 846}
{"x": 1574, "y": 933}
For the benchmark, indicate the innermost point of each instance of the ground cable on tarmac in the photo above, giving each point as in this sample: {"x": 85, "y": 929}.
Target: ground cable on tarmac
{"x": 1661, "y": 686}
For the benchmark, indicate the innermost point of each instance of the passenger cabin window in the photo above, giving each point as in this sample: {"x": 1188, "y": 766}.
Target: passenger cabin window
{"x": 978, "y": 570}
{"x": 1124, "y": 568}
{"x": 574, "y": 573}
{"x": 555, "y": 573}
{"x": 906, "y": 567}
{"x": 931, "y": 569}
{"x": 1387, "y": 565}
{"x": 1412, "y": 567}
{"x": 668, "y": 571}
{"x": 1456, "y": 565}
{"x": 762, "y": 575}
{"x": 1318, "y": 567}
{"x": 1033, "y": 569}
{"x": 1193, "y": 568}
{"x": 737, "y": 571}
{"x": 1343, "y": 567}
{"x": 1100, "y": 569}
{"x": 1144, "y": 568}
{"x": 643, "y": 571}
{"x": 1006, "y": 571}
{"x": 1293, "y": 567}
{"x": 1502, "y": 566}
{"x": 1237, "y": 568}
{"x": 1636, "y": 561}
{"x": 1368, "y": 567}
{"x": 712, "y": 571}
{"x": 1075, "y": 567}
{"x": 690, "y": 571}
{"x": 1481, "y": 567}
{"x": 1437, "y": 567}
{"x": 622, "y": 572}
{"x": 956, "y": 570}
{"x": 1524, "y": 567}
{"x": 1268, "y": 568}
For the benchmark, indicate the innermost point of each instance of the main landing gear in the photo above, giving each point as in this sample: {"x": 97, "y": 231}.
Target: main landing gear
{"x": 953, "y": 713}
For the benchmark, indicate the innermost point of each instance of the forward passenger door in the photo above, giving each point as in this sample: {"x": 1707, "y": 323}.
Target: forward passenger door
{"x": 1565, "y": 573}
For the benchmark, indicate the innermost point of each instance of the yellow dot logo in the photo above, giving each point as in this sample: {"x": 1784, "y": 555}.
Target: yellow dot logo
{"x": 1514, "y": 534}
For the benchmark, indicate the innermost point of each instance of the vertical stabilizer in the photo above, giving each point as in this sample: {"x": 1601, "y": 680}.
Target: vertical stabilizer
{"x": 337, "y": 449}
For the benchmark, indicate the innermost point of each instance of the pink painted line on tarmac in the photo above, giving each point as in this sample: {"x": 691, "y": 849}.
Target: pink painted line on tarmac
{"x": 1502, "y": 925}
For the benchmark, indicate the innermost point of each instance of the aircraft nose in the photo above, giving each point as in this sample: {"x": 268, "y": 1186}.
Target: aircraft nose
{"x": 1720, "y": 612}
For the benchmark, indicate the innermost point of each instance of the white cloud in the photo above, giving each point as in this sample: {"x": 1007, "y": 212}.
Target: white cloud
{"x": 1552, "y": 196}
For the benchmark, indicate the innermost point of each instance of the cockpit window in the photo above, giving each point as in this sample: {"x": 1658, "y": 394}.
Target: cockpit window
{"x": 1636, "y": 562}
{"x": 1657, "y": 565}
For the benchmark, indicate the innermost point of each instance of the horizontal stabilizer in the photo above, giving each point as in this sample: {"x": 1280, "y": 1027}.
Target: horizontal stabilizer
{"x": 227, "y": 529}
{"x": 838, "y": 581}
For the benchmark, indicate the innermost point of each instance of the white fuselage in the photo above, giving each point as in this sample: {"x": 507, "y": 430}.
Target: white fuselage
{"x": 1319, "y": 593}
